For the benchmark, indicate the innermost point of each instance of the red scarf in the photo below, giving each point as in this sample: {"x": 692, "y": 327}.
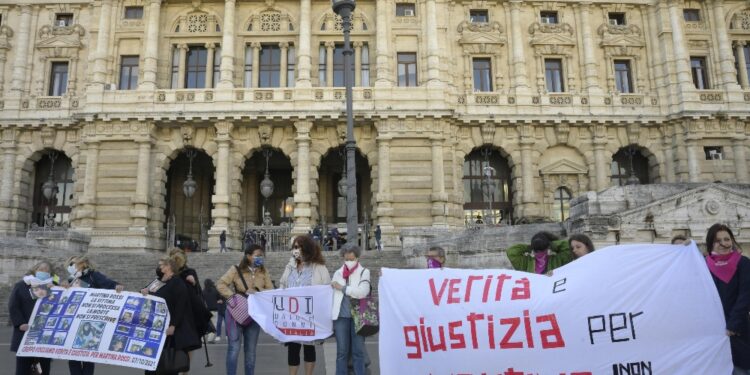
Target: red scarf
{"x": 723, "y": 266}
{"x": 348, "y": 271}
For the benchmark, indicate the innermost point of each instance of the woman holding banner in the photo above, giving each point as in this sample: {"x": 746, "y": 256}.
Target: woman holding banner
{"x": 351, "y": 281}
{"x": 248, "y": 277}
{"x": 580, "y": 245}
{"x": 731, "y": 274}
{"x": 181, "y": 331}
{"x": 83, "y": 274}
{"x": 306, "y": 267}
{"x": 34, "y": 285}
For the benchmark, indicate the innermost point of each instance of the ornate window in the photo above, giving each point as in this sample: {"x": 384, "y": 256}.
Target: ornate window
{"x": 133, "y": 13}
{"x": 553, "y": 45}
{"x": 197, "y": 23}
{"x": 270, "y": 21}
{"x": 405, "y": 10}
{"x": 195, "y": 71}
{"x": 407, "y": 69}
{"x": 623, "y": 76}
{"x": 700, "y": 72}
{"x": 269, "y": 66}
{"x": 479, "y": 16}
{"x": 58, "y": 81}
{"x": 553, "y": 75}
{"x": 562, "y": 204}
{"x": 482, "y": 74}
{"x": 128, "y": 73}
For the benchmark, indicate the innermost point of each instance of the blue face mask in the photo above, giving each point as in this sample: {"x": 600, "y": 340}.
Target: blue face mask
{"x": 258, "y": 261}
{"x": 42, "y": 275}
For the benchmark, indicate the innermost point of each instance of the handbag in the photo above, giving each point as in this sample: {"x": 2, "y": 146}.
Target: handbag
{"x": 237, "y": 305}
{"x": 172, "y": 360}
{"x": 365, "y": 314}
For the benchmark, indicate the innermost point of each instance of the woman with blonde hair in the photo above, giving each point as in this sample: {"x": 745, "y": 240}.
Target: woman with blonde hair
{"x": 169, "y": 286}
{"x": 83, "y": 275}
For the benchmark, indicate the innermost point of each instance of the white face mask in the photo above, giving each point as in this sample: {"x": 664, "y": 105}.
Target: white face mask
{"x": 296, "y": 253}
{"x": 350, "y": 264}
{"x": 72, "y": 270}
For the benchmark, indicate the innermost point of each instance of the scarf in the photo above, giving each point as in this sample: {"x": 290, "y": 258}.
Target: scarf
{"x": 541, "y": 261}
{"x": 348, "y": 271}
{"x": 723, "y": 266}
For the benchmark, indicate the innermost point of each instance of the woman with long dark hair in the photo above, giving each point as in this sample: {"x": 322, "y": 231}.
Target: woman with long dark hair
{"x": 248, "y": 277}
{"x": 731, "y": 274}
{"x": 306, "y": 267}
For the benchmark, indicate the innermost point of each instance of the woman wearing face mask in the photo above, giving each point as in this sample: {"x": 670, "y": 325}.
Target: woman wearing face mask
{"x": 731, "y": 274}
{"x": 544, "y": 254}
{"x": 20, "y": 305}
{"x": 580, "y": 245}
{"x": 435, "y": 257}
{"x": 306, "y": 267}
{"x": 352, "y": 280}
{"x": 82, "y": 274}
{"x": 251, "y": 269}
{"x": 168, "y": 285}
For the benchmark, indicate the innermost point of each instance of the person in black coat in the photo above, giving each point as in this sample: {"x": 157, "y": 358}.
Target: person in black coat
{"x": 198, "y": 309}
{"x": 83, "y": 274}
{"x": 731, "y": 274}
{"x": 20, "y": 306}
{"x": 214, "y": 302}
{"x": 169, "y": 286}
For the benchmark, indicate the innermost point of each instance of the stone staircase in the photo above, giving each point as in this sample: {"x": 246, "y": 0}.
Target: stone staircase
{"x": 136, "y": 270}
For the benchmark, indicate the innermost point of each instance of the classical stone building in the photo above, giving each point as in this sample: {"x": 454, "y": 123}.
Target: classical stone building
{"x": 109, "y": 106}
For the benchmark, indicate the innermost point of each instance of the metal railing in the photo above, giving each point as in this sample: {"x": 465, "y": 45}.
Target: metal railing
{"x": 270, "y": 237}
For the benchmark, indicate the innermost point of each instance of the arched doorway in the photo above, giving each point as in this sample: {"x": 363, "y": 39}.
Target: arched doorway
{"x": 628, "y": 164}
{"x": 488, "y": 198}
{"x": 53, "y": 190}
{"x": 279, "y": 206}
{"x": 332, "y": 203}
{"x": 188, "y": 211}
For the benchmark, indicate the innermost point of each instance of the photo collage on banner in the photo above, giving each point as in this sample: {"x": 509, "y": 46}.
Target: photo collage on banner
{"x": 140, "y": 327}
{"x": 55, "y": 316}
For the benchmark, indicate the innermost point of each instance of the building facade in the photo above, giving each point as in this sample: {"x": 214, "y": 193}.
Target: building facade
{"x": 465, "y": 112}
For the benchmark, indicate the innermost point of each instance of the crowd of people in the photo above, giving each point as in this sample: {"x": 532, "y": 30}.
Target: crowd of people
{"x": 191, "y": 307}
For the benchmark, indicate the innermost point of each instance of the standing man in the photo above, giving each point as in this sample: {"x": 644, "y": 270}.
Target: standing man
{"x": 378, "y": 235}
{"x": 223, "y": 241}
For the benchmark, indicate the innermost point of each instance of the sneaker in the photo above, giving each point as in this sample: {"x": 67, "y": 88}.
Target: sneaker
{"x": 217, "y": 340}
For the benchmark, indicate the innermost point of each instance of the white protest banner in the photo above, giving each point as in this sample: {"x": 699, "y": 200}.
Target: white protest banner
{"x": 294, "y": 314}
{"x": 632, "y": 309}
{"x": 95, "y": 325}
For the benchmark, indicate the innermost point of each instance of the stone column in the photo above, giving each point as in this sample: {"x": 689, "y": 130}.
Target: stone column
{"x": 102, "y": 43}
{"x": 383, "y": 9}
{"x": 433, "y": 50}
{"x": 528, "y": 187}
{"x": 151, "y": 52}
{"x": 210, "y": 65}
{"x": 284, "y": 46}
{"x": 302, "y": 198}
{"x": 304, "y": 61}
{"x": 740, "y": 158}
{"x": 140, "y": 202}
{"x": 329, "y": 63}
{"x": 384, "y": 198}
{"x": 181, "y": 68}
{"x": 590, "y": 73}
{"x": 87, "y": 211}
{"x": 220, "y": 213}
{"x": 438, "y": 197}
{"x": 694, "y": 156}
{"x": 669, "y": 157}
{"x": 227, "y": 47}
{"x": 3, "y": 59}
{"x": 357, "y": 63}
{"x": 726, "y": 59}
{"x": 21, "y": 50}
{"x": 681, "y": 57}
{"x": 742, "y": 64}
{"x": 256, "y": 62}
{"x": 518, "y": 60}
{"x": 600, "y": 163}
{"x": 8, "y": 223}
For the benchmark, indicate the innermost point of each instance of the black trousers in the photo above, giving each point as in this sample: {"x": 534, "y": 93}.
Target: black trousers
{"x": 293, "y": 353}
{"x": 23, "y": 365}
{"x": 81, "y": 368}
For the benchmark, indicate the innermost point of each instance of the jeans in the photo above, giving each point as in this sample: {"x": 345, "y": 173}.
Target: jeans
{"x": 250, "y": 334}
{"x": 219, "y": 320}
{"x": 348, "y": 339}
{"x": 81, "y": 368}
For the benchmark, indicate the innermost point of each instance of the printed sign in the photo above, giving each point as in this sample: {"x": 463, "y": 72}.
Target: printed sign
{"x": 94, "y": 325}
{"x": 294, "y": 314}
{"x": 633, "y": 309}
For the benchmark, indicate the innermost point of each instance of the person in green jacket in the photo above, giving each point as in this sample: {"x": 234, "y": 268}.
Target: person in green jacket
{"x": 544, "y": 254}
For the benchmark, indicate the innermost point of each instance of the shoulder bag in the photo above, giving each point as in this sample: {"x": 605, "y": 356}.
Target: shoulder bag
{"x": 237, "y": 304}
{"x": 365, "y": 313}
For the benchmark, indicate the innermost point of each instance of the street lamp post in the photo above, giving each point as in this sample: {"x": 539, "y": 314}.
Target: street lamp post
{"x": 632, "y": 179}
{"x": 49, "y": 190}
{"x": 345, "y": 8}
